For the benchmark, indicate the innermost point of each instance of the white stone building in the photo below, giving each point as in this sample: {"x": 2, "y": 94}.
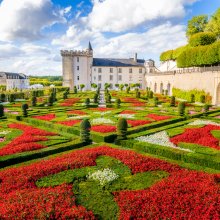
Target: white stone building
{"x": 14, "y": 80}
{"x": 79, "y": 67}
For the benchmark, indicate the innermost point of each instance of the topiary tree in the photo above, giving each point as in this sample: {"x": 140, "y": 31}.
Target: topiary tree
{"x": 151, "y": 94}
{"x": 138, "y": 94}
{"x": 128, "y": 89}
{"x": 1, "y": 110}
{"x": 85, "y": 127}
{"x": 65, "y": 95}
{"x": 50, "y": 100}
{"x": 155, "y": 101}
{"x": 82, "y": 86}
{"x": 166, "y": 92}
{"x": 117, "y": 103}
{"x": 122, "y": 128}
{"x": 205, "y": 109}
{"x": 34, "y": 100}
{"x": 121, "y": 86}
{"x": 202, "y": 98}
{"x": 75, "y": 90}
{"x": 96, "y": 97}
{"x": 87, "y": 102}
{"x": 181, "y": 108}
{"x": 192, "y": 98}
{"x": 24, "y": 109}
{"x": 2, "y": 97}
{"x": 11, "y": 98}
{"x": 172, "y": 101}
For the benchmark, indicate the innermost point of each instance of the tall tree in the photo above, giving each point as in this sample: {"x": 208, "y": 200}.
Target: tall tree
{"x": 196, "y": 24}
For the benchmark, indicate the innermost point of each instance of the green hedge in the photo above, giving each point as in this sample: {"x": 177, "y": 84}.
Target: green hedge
{"x": 200, "y": 56}
{"x": 203, "y": 38}
{"x": 26, "y": 156}
{"x": 186, "y": 94}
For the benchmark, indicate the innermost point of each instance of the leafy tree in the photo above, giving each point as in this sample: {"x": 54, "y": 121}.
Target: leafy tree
{"x": 116, "y": 85}
{"x": 196, "y": 24}
{"x": 117, "y": 103}
{"x": 172, "y": 101}
{"x": 82, "y": 86}
{"x": 155, "y": 101}
{"x": 50, "y": 100}
{"x": 128, "y": 89}
{"x": 202, "y": 98}
{"x": 2, "y": 97}
{"x": 75, "y": 90}
{"x": 204, "y": 38}
{"x": 85, "y": 127}
{"x": 94, "y": 86}
{"x": 121, "y": 86}
{"x": 205, "y": 109}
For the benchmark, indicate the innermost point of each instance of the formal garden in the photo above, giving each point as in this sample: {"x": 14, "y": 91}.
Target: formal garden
{"x": 125, "y": 154}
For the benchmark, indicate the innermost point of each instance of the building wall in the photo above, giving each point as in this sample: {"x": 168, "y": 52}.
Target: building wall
{"x": 17, "y": 83}
{"x": 207, "y": 81}
{"x": 68, "y": 71}
{"x": 125, "y": 77}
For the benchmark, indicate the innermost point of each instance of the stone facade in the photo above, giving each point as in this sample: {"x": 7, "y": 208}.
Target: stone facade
{"x": 14, "y": 80}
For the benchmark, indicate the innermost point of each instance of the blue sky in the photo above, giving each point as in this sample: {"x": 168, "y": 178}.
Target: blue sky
{"x": 32, "y": 32}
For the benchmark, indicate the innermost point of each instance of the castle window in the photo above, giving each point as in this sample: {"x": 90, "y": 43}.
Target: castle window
{"x": 100, "y": 78}
{"x": 120, "y": 70}
{"x": 140, "y": 70}
{"x": 77, "y": 67}
{"x": 99, "y": 70}
{"x": 77, "y": 77}
{"x": 77, "y": 59}
{"x": 120, "y": 77}
{"x": 111, "y": 77}
{"x": 111, "y": 70}
{"x": 130, "y": 70}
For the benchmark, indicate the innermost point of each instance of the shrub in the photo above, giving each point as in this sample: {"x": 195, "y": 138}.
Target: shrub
{"x": 87, "y": 102}
{"x": 128, "y": 89}
{"x": 2, "y": 97}
{"x": 172, "y": 101}
{"x": 24, "y": 109}
{"x": 122, "y": 128}
{"x": 181, "y": 108}
{"x": 151, "y": 94}
{"x": 65, "y": 95}
{"x": 155, "y": 101}
{"x": 138, "y": 94}
{"x": 34, "y": 100}
{"x": 75, "y": 90}
{"x": 11, "y": 97}
{"x": 96, "y": 96}
{"x": 50, "y": 100}
{"x": 85, "y": 127}
{"x": 1, "y": 110}
{"x": 206, "y": 109}
{"x": 167, "y": 55}
{"x": 117, "y": 103}
{"x": 202, "y": 98}
{"x": 203, "y": 38}
{"x": 192, "y": 98}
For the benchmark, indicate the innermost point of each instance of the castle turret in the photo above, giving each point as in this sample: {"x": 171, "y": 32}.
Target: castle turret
{"x": 77, "y": 67}
{"x": 150, "y": 66}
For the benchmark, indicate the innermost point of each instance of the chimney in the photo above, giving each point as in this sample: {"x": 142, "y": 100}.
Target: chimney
{"x": 135, "y": 57}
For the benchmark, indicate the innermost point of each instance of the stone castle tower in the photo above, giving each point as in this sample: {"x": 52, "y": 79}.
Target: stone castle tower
{"x": 77, "y": 67}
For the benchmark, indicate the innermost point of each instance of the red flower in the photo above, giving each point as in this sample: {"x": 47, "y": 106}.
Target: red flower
{"x": 70, "y": 102}
{"x": 70, "y": 122}
{"x": 101, "y": 109}
{"x": 158, "y": 117}
{"x": 76, "y": 112}
{"x": 135, "y": 123}
{"x": 47, "y": 117}
{"x": 103, "y": 128}
{"x": 128, "y": 112}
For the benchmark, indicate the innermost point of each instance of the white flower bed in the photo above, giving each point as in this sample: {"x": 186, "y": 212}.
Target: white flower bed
{"x": 79, "y": 117}
{"x": 5, "y": 132}
{"x": 204, "y": 122}
{"x": 102, "y": 113}
{"x": 125, "y": 116}
{"x": 160, "y": 138}
{"x": 96, "y": 121}
{"x": 103, "y": 176}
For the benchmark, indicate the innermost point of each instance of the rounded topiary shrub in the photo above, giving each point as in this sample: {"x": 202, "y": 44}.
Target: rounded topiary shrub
{"x": 1, "y": 110}
{"x": 202, "y": 98}
{"x": 203, "y": 38}
{"x": 181, "y": 108}
{"x": 85, "y": 127}
{"x": 24, "y": 109}
{"x": 192, "y": 98}
{"x": 122, "y": 128}
{"x": 172, "y": 101}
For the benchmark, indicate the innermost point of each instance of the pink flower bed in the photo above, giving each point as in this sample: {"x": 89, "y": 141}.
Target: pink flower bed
{"x": 47, "y": 117}
{"x": 201, "y": 136}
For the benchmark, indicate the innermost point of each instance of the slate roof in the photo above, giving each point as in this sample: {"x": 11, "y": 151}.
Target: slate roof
{"x": 14, "y": 75}
{"x": 118, "y": 62}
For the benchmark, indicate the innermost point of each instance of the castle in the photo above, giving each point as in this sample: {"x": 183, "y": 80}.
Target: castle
{"x": 79, "y": 67}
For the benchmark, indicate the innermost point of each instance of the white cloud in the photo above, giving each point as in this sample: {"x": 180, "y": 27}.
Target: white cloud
{"x": 122, "y": 15}
{"x": 9, "y": 51}
{"x": 25, "y": 19}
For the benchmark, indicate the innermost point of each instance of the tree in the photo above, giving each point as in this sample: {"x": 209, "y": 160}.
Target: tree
{"x": 172, "y": 101}
{"x": 122, "y": 128}
{"x": 181, "y": 108}
{"x": 82, "y": 86}
{"x": 75, "y": 90}
{"x": 213, "y": 24}
{"x": 96, "y": 97}
{"x": 117, "y": 103}
{"x": 205, "y": 38}
{"x": 1, "y": 110}
{"x": 24, "y": 109}
{"x": 50, "y": 100}
{"x": 205, "y": 109}
{"x": 85, "y": 127}
{"x": 121, "y": 86}
{"x": 192, "y": 98}
{"x": 196, "y": 24}
{"x": 94, "y": 86}
{"x": 2, "y": 97}
{"x": 65, "y": 95}
{"x": 87, "y": 102}
{"x": 34, "y": 100}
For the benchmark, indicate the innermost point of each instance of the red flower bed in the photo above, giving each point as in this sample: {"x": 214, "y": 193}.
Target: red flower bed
{"x": 103, "y": 128}
{"x": 201, "y": 136}
{"x": 76, "y": 112}
{"x": 69, "y": 123}
{"x": 47, "y": 117}
{"x": 128, "y": 112}
{"x": 183, "y": 195}
{"x": 101, "y": 109}
{"x": 135, "y": 123}
{"x": 158, "y": 117}
{"x": 130, "y": 100}
{"x": 136, "y": 104}
{"x": 27, "y": 141}
{"x": 69, "y": 102}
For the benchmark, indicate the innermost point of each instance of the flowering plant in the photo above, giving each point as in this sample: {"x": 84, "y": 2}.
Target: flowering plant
{"x": 96, "y": 121}
{"x": 103, "y": 128}
{"x": 158, "y": 117}
{"x": 47, "y": 117}
{"x": 69, "y": 123}
{"x": 135, "y": 123}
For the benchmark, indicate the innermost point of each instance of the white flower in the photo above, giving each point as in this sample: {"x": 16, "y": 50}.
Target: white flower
{"x": 125, "y": 116}
{"x": 96, "y": 121}
{"x": 160, "y": 138}
{"x": 79, "y": 117}
{"x": 204, "y": 122}
{"x": 102, "y": 113}
{"x": 5, "y": 132}
{"x": 103, "y": 176}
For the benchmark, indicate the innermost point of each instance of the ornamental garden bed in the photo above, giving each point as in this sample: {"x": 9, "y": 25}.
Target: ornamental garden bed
{"x": 101, "y": 181}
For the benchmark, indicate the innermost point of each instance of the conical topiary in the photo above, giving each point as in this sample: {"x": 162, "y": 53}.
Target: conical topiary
{"x": 1, "y": 110}
{"x": 122, "y": 128}
{"x": 85, "y": 127}
{"x": 24, "y": 109}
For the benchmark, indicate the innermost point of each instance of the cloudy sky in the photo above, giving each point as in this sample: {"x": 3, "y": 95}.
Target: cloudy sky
{"x": 32, "y": 32}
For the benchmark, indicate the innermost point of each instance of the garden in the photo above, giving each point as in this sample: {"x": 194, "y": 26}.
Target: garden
{"x": 135, "y": 155}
